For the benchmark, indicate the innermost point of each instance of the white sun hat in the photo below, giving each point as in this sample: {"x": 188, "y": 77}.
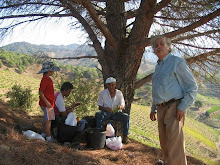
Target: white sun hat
{"x": 110, "y": 80}
{"x": 48, "y": 66}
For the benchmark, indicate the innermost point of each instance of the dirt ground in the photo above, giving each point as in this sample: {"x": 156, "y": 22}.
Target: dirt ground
{"x": 16, "y": 149}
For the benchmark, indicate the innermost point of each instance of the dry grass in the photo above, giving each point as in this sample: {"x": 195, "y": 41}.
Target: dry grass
{"x": 16, "y": 149}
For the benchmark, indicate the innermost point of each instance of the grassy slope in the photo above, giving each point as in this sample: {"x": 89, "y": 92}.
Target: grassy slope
{"x": 200, "y": 139}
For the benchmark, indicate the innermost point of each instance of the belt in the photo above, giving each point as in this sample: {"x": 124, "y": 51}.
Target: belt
{"x": 168, "y": 102}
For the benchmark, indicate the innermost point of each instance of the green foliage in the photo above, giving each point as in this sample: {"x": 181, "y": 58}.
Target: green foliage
{"x": 207, "y": 99}
{"x": 1, "y": 64}
{"x": 213, "y": 109}
{"x": 86, "y": 72}
{"x": 86, "y": 92}
{"x": 19, "y": 61}
{"x": 198, "y": 104}
{"x": 20, "y": 98}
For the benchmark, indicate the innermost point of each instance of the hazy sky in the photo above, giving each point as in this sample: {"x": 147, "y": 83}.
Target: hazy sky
{"x": 54, "y": 34}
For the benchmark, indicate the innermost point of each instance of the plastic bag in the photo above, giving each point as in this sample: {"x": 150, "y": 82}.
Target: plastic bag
{"x": 71, "y": 119}
{"x": 114, "y": 143}
{"x": 33, "y": 135}
{"x": 110, "y": 131}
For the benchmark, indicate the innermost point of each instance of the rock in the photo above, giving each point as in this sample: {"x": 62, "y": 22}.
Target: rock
{"x": 4, "y": 147}
{"x": 131, "y": 155}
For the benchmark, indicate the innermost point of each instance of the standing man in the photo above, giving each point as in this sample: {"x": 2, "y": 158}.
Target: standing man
{"x": 173, "y": 90}
{"x": 111, "y": 100}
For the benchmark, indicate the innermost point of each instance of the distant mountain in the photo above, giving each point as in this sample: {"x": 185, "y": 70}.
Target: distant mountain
{"x": 73, "y": 50}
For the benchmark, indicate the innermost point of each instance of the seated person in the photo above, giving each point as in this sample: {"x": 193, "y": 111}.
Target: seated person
{"x": 111, "y": 100}
{"x": 60, "y": 109}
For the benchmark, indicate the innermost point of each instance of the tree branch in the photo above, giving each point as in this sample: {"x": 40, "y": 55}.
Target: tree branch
{"x": 161, "y": 5}
{"x": 99, "y": 23}
{"x": 177, "y": 19}
{"x": 202, "y": 57}
{"x": 194, "y": 46}
{"x": 87, "y": 27}
{"x": 194, "y": 25}
{"x": 73, "y": 58}
{"x": 201, "y": 22}
{"x": 35, "y": 15}
{"x": 143, "y": 81}
{"x": 29, "y": 3}
{"x": 195, "y": 35}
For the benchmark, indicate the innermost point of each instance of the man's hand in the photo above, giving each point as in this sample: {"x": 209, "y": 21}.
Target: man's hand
{"x": 179, "y": 115}
{"x": 49, "y": 106}
{"x": 120, "y": 107}
{"x": 153, "y": 116}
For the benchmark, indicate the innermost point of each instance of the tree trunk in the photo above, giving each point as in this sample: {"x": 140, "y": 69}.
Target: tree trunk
{"x": 123, "y": 61}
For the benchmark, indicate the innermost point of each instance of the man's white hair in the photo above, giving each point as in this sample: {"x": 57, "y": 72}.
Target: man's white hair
{"x": 168, "y": 41}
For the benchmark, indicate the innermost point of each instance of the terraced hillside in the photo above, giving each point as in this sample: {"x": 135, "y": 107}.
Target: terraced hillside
{"x": 202, "y": 141}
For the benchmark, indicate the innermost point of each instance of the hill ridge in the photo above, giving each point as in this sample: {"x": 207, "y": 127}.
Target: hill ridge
{"x": 71, "y": 50}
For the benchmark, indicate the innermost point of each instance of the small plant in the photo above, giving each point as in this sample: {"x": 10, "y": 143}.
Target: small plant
{"x": 198, "y": 104}
{"x": 20, "y": 98}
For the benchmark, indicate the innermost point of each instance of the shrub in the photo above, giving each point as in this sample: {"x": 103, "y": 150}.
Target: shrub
{"x": 20, "y": 98}
{"x": 198, "y": 104}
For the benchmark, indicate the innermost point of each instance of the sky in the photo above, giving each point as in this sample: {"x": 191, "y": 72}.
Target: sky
{"x": 48, "y": 34}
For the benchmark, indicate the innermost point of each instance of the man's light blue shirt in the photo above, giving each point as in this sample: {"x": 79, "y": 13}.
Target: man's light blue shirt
{"x": 173, "y": 79}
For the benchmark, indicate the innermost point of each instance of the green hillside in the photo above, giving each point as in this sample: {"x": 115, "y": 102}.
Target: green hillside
{"x": 201, "y": 140}
{"x": 9, "y": 78}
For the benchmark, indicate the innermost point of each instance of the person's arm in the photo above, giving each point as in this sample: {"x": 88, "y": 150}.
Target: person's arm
{"x": 45, "y": 99}
{"x": 153, "y": 116}
{"x": 121, "y": 101}
{"x": 189, "y": 87}
{"x": 153, "y": 112}
{"x": 187, "y": 84}
{"x": 71, "y": 108}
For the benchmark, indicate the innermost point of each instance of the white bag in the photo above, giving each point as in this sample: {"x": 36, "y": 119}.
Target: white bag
{"x": 114, "y": 143}
{"x": 71, "y": 119}
{"x": 33, "y": 135}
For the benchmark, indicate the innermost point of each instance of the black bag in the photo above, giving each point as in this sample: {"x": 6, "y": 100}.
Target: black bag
{"x": 91, "y": 121}
{"x": 65, "y": 133}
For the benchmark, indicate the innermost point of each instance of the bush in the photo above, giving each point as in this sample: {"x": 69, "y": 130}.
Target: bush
{"x": 198, "y": 104}
{"x": 20, "y": 98}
